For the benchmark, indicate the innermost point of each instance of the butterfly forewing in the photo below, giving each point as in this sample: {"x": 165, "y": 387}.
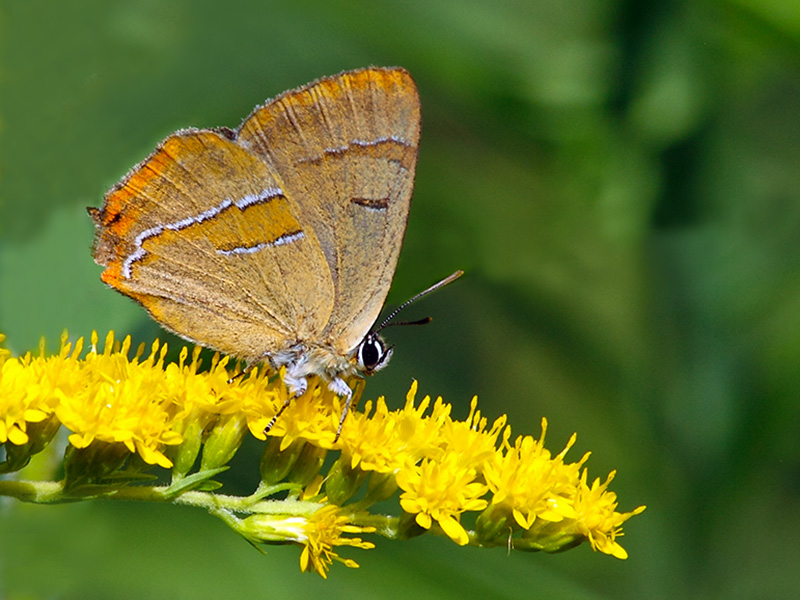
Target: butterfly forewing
{"x": 204, "y": 235}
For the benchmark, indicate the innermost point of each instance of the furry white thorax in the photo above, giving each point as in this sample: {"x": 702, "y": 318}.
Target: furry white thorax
{"x": 302, "y": 361}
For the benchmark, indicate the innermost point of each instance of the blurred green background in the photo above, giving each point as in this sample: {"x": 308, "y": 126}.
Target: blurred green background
{"x": 618, "y": 179}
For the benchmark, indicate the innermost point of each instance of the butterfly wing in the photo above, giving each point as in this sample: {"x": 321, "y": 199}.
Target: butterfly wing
{"x": 205, "y": 237}
{"x": 346, "y": 149}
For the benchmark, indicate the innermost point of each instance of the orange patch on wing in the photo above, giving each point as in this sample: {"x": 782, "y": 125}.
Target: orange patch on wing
{"x": 121, "y": 214}
{"x": 333, "y": 89}
{"x": 112, "y": 275}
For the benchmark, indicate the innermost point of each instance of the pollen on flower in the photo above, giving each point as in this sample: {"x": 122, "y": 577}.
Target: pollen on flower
{"x": 385, "y": 441}
{"x": 469, "y": 439}
{"x": 526, "y": 479}
{"x": 125, "y": 401}
{"x": 441, "y": 490}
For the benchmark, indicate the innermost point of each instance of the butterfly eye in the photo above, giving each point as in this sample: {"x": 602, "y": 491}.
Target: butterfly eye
{"x": 373, "y": 354}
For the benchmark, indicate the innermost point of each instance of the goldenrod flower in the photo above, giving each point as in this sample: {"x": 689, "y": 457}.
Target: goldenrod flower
{"x": 384, "y": 441}
{"x": 316, "y": 526}
{"x": 324, "y": 531}
{"x": 525, "y": 479}
{"x": 29, "y": 388}
{"x": 596, "y": 516}
{"x": 441, "y": 490}
{"x": 127, "y": 415}
{"x": 124, "y": 401}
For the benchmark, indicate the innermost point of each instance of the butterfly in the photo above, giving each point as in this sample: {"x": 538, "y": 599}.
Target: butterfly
{"x": 276, "y": 242}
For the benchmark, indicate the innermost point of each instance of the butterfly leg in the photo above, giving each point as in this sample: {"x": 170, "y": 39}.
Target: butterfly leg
{"x": 297, "y": 387}
{"x": 252, "y": 365}
{"x": 272, "y": 421}
{"x": 341, "y": 389}
{"x": 241, "y": 373}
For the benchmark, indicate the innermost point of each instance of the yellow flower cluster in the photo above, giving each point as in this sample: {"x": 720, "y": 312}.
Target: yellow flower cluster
{"x": 449, "y": 473}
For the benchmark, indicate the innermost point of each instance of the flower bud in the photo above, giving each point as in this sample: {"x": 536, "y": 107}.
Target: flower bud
{"x": 93, "y": 464}
{"x": 276, "y": 463}
{"x": 408, "y": 527}
{"x": 184, "y": 455}
{"x": 380, "y": 487}
{"x": 343, "y": 481}
{"x": 494, "y": 523}
{"x": 307, "y": 465}
{"x": 224, "y": 440}
{"x": 557, "y": 541}
{"x": 39, "y": 436}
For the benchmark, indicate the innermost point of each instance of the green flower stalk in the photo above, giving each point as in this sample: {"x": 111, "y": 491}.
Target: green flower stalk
{"x": 466, "y": 480}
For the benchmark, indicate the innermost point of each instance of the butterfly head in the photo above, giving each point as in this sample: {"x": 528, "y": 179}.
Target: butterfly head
{"x": 372, "y": 354}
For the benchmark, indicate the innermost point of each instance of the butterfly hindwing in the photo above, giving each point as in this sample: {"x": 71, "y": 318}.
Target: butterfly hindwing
{"x": 346, "y": 149}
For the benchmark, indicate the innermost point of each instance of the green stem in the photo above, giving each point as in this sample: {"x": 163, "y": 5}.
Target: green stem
{"x": 39, "y": 492}
{"x": 52, "y": 492}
